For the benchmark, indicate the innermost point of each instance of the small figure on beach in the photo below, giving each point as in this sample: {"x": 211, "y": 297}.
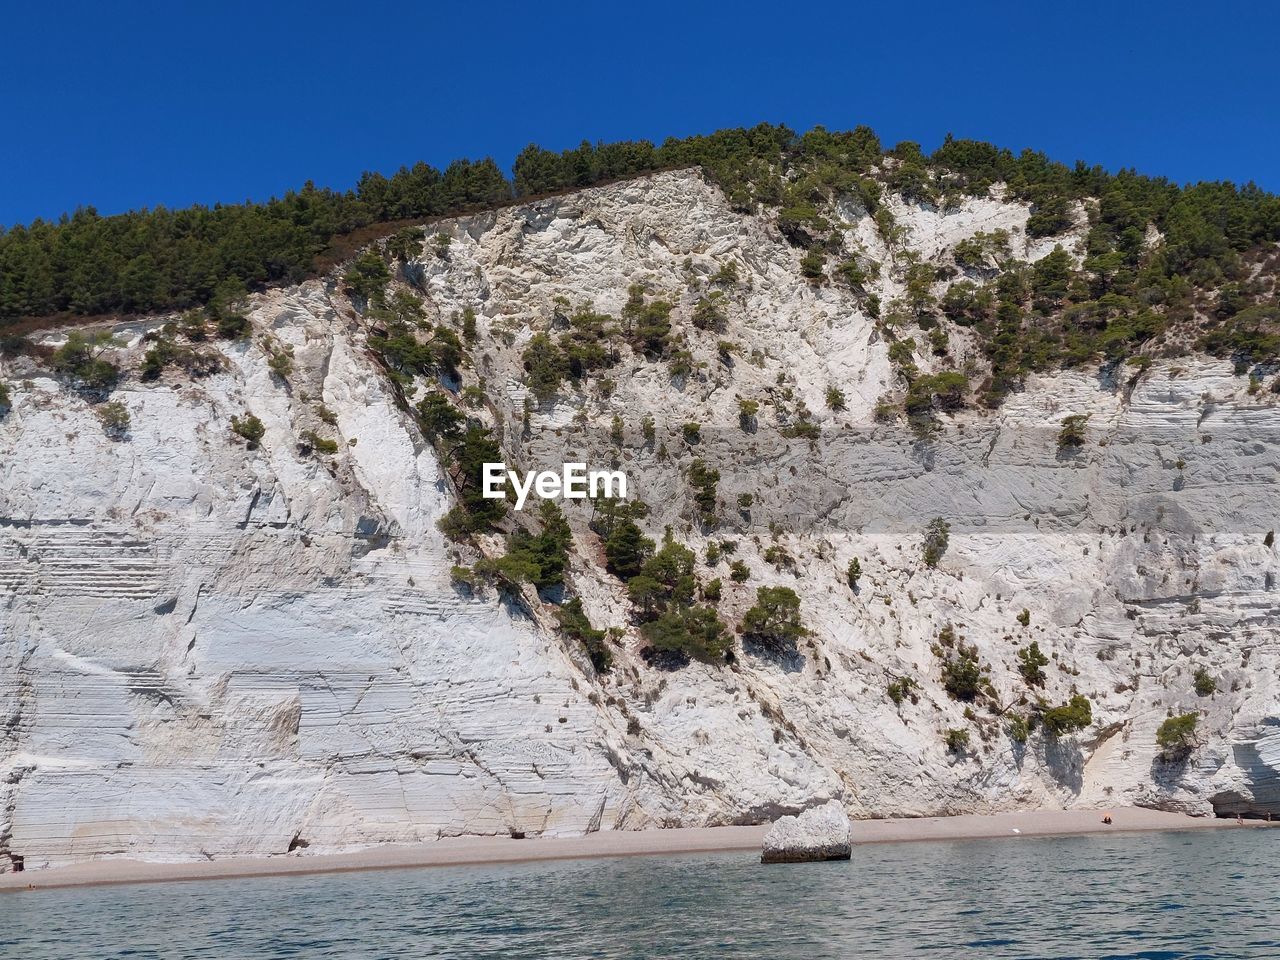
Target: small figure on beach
{"x": 1106, "y": 818}
{"x": 1240, "y": 819}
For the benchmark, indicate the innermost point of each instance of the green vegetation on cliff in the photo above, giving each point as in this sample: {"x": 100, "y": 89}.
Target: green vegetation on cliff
{"x": 1213, "y": 237}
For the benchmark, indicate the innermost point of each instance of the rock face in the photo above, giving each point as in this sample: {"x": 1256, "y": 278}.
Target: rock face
{"x": 210, "y": 650}
{"x": 819, "y": 833}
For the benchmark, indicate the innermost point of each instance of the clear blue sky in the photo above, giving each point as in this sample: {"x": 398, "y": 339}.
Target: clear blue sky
{"x": 130, "y": 104}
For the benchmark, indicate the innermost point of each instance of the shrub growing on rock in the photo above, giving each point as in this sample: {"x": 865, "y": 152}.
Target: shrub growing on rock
{"x": 813, "y": 264}
{"x": 944, "y": 391}
{"x": 1031, "y": 663}
{"x": 166, "y": 352}
{"x": 367, "y": 277}
{"x": 855, "y": 273}
{"x": 232, "y": 326}
{"x": 543, "y": 556}
{"x": 1050, "y": 214}
{"x": 680, "y": 363}
{"x": 81, "y": 359}
{"x": 707, "y": 314}
{"x": 439, "y": 420}
{"x": 397, "y": 344}
{"x": 918, "y": 296}
{"x": 194, "y": 325}
{"x": 467, "y": 458}
{"x": 545, "y": 365}
{"x": 646, "y": 593}
{"x": 463, "y": 575}
{"x": 939, "y": 342}
{"x": 705, "y": 482}
{"x": 114, "y": 418}
{"x": 279, "y": 358}
{"x": 902, "y": 689}
{"x": 963, "y": 676}
{"x": 774, "y": 622}
{"x": 902, "y": 354}
{"x": 693, "y": 631}
{"x": 802, "y": 430}
{"x": 1071, "y": 436}
{"x": 573, "y": 621}
{"x": 469, "y": 324}
{"x": 647, "y": 323}
{"x": 455, "y": 524}
{"x": 672, "y": 567}
{"x": 1074, "y": 715}
{"x": 937, "y": 536}
{"x": 727, "y": 275}
{"x": 983, "y": 251}
{"x": 626, "y": 549}
{"x": 1176, "y": 737}
{"x": 313, "y": 442}
{"x": 507, "y": 572}
{"x": 155, "y": 360}
{"x": 853, "y": 573}
{"x": 957, "y": 740}
{"x": 607, "y": 513}
{"x": 406, "y": 244}
{"x": 1205, "y": 684}
{"x": 249, "y": 429}
{"x": 966, "y": 304}
{"x": 778, "y": 556}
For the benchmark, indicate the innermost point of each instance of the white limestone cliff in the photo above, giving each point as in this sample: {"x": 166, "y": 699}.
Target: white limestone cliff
{"x": 209, "y": 651}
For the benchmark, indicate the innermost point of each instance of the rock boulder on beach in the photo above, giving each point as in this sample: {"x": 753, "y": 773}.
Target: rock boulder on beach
{"x": 821, "y": 833}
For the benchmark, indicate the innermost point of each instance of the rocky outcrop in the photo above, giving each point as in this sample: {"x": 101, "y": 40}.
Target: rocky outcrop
{"x": 210, "y": 650}
{"x": 820, "y": 833}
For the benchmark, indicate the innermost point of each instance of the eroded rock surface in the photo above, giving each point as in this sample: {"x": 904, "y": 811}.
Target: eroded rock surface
{"x": 819, "y": 833}
{"x": 207, "y": 650}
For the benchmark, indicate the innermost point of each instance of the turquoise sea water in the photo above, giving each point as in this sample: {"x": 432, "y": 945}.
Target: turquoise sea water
{"x": 1155, "y": 896}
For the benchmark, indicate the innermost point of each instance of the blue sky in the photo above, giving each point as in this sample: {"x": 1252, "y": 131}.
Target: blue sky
{"x": 137, "y": 103}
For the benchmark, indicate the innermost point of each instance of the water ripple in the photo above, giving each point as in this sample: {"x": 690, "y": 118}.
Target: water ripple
{"x": 1139, "y": 897}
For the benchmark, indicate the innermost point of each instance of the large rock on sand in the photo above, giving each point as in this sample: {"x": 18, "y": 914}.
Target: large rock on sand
{"x": 818, "y": 834}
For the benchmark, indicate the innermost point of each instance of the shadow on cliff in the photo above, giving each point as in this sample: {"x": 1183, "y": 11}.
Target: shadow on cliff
{"x": 1065, "y": 761}
{"x": 789, "y": 661}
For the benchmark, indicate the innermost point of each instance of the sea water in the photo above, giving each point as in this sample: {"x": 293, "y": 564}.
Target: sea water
{"x": 1159, "y": 896}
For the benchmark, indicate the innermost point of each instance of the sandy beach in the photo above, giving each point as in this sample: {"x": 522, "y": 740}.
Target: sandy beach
{"x": 456, "y": 851}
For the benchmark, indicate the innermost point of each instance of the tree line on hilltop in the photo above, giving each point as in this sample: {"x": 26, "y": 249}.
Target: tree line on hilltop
{"x": 161, "y": 259}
